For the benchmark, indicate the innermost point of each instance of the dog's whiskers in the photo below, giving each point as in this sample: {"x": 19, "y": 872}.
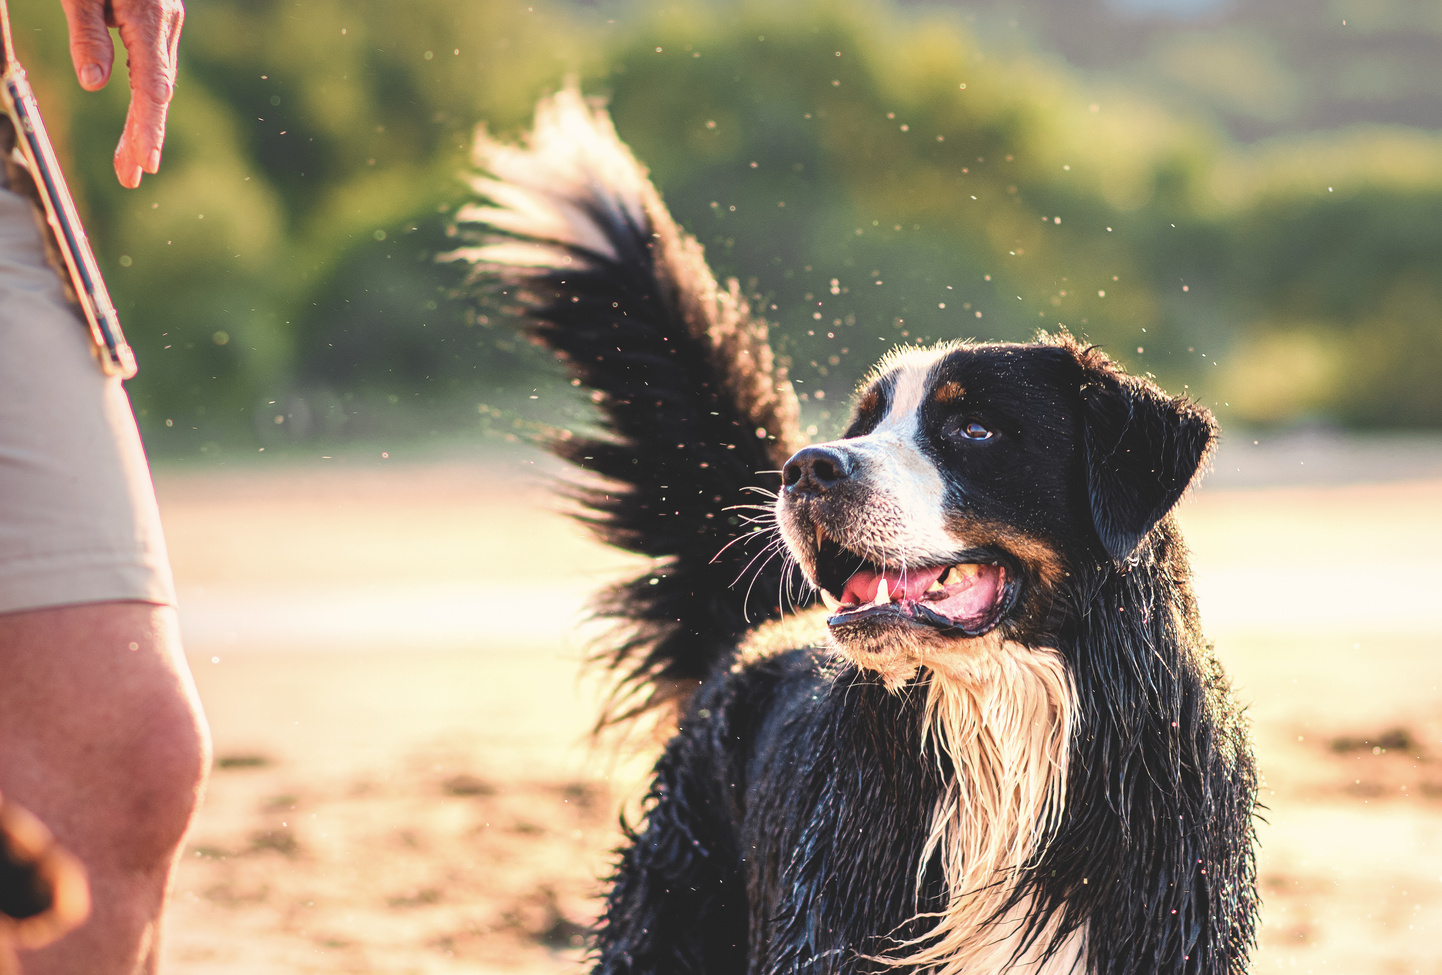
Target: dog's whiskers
{"x": 750, "y": 507}
{"x": 774, "y": 550}
{"x": 743, "y": 538}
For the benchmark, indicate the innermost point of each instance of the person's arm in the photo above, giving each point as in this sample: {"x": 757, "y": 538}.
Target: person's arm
{"x": 150, "y": 31}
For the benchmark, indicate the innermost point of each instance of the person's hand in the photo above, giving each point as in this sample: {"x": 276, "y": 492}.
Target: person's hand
{"x": 150, "y": 31}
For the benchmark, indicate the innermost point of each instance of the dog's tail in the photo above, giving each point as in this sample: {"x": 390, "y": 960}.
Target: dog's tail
{"x": 697, "y": 417}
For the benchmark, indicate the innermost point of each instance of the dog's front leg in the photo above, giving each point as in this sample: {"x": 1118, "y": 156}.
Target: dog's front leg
{"x": 678, "y": 904}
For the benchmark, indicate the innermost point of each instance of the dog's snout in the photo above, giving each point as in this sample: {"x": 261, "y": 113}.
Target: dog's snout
{"x": 815, "y": 470}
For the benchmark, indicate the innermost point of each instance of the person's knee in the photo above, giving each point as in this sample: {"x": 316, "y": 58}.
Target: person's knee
{"x": 106, "y": 739}
{"x": 163, "y": 761}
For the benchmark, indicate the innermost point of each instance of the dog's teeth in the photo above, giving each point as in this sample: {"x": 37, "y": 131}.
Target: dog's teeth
{"x": 935, "y": 586}
{"x": 830, "y": 601}
{"x": 882, "y": 596}
{"x": 960, "y": 573}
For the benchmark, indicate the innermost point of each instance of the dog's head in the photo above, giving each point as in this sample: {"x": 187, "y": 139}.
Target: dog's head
{"x": 972, "y": 481}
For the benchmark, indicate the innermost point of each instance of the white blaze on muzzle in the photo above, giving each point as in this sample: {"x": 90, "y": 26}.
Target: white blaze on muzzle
{"x": 903, "y": 518}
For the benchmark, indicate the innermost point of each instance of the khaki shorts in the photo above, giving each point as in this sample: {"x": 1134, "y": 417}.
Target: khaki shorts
{"x": 78, "y": 521}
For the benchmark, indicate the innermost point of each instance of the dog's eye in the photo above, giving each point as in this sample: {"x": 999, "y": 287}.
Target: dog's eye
{"x": 972, "y": 430}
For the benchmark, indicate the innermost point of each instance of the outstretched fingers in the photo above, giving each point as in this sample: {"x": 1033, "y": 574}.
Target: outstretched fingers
{"x": 150, "y": 31}
{"x": 91, "y": 50}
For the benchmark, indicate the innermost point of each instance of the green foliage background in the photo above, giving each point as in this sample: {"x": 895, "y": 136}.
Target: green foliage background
{"x": 875, "y": 174}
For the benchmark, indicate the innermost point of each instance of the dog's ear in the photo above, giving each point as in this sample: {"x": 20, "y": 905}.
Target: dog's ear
{"x": 1142, "y": 449}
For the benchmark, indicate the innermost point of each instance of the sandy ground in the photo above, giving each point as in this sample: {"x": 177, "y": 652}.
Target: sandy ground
{"x": 389, "y": 656}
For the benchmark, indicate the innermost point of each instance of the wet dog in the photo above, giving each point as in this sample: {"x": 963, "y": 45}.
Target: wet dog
{"x": 1000, "y": 741}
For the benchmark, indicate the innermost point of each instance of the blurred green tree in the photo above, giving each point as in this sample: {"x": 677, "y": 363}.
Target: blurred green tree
{"x": 870, "y": 172}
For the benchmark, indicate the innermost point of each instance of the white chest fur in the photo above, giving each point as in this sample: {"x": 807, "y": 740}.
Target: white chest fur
{"x": 1001, "y": 716}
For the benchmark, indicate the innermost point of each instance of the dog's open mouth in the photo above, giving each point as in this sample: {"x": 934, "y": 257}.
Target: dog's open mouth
{"x": 968, "y": 597}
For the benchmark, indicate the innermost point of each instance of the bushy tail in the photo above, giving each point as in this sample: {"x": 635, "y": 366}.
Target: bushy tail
{"x": 696, "y": 415}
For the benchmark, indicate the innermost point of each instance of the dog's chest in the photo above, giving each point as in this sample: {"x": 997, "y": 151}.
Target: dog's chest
{"x": 837, "y": 807}
{"x": 851, "y": 788}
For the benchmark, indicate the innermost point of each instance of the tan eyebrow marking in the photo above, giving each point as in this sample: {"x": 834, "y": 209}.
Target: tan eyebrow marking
{"x": 950, "y": 392}
{"x": 868, "y": 402}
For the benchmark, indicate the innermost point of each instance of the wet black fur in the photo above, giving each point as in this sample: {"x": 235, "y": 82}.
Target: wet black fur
{"x": 788, "y": 813}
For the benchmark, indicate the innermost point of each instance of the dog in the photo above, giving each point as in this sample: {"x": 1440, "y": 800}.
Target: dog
{"x": 987, "y": 734}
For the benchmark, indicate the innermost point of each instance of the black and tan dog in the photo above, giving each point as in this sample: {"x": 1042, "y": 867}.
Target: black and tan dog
{"x": 1003, "y": 745}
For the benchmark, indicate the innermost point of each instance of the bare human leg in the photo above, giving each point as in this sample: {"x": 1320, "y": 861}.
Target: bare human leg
{"x": 102, "y": 737}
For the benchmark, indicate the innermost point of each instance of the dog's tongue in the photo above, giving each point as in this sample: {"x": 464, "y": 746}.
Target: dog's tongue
{"x": 971, "y": 597}
{"x": 865, "y": 585}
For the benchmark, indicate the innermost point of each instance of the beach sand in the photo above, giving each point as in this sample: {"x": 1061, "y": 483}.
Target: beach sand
{"x": 390, "y": 657}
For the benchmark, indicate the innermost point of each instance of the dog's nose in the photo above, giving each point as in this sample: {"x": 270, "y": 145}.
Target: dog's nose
{"x": 815, "y": 470}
